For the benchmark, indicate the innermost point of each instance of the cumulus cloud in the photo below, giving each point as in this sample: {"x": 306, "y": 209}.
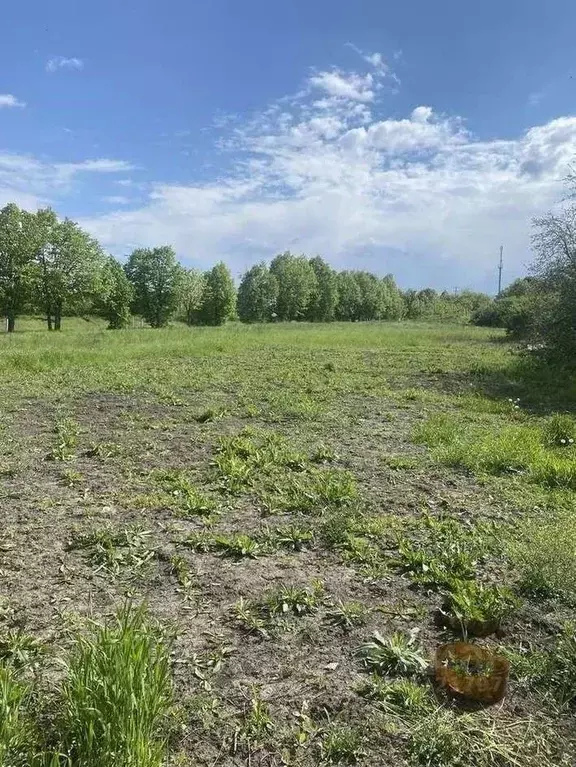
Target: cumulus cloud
{"x": 8, "y": 100}
{"x": 419, "y": 194}
{"x": 345, "y": 86}
{"x": 334, "y": 170}
{"x": 61, "y": 62}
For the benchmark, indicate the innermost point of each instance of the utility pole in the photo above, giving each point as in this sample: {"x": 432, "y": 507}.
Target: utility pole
{"x": 500, "y": 270}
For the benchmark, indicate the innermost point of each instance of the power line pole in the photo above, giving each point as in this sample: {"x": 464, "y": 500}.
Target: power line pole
{"x": 500, "y": 270}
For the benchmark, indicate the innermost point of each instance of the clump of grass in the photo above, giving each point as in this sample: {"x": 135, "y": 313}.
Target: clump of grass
{"x": 188, "y": 499}
{"x": 66, "y": 440}
{"x": 295, "y": 600}
{"x": 292, "y": 537}
{"x": 341, "y": 744}
{"x": 347, "y": 615}
{"x": 439, "y": 429}
{"x": 542, "y": 548}
{"x": 71, "y": 477}
{"x": 117, "y": 694}
{"x": 238, "y": 546}
{"x": 323, "y": 454}
{"x": 180, "y": 568}
{"x": 550, "y": 671}
{"x": 439, "y": 564}
{"x": 560, "y": 431}
{"x": 478, "y": 608}
{"x": 17, "y": 731}
{"x": 250, "y": 455}
{"x": 210, "y": 414}
{"x": 256, "y": 725}
{"x": 445, "y": 738}
{"x": 19, "y": 650}
{"x": 201, "y": 541}
{"x": 398, "y": 655}
{"x": 401, "y": 696}
{"x": 401, "y": 462}
{"x": 510, "y": 450}
{"x": 118, "y": 551}
{"x": 259, "y": 616}
{"x": 104, "y": 450}
{"x": 249, "y": 617}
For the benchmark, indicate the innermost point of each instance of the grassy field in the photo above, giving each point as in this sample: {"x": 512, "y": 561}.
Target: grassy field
{"x": 243, "y": 545}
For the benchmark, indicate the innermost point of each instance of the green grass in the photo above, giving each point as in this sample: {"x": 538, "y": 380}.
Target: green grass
{"x": 282, "y": 493}
{"x": 112, "y": 706}
{"x": 117, "y": 693}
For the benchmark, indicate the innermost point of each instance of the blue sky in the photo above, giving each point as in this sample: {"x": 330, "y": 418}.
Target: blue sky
{"x": 413, "y": 138}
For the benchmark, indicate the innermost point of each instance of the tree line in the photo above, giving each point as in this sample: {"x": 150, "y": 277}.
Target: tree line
{"x": 52, "y": 266}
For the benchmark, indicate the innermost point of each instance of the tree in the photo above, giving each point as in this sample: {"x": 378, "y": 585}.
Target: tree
{"x": 257, "y": 295}
{"x": 68, "y": 264}
{"x": 156, "y": 277}
{"x": 296, "y": 286}
{"x": 115, "y": 295}
{"x": 16, "y": 261}
{"x": 219, "y": 299}
{"x": 371, "y": 296}
{"x": 191, "y": 295}
{"x": 553, "y": 313}
{"x": 322, "y": 306}
{"x": 349, "y": 297}
{"x": 392, "y": 301}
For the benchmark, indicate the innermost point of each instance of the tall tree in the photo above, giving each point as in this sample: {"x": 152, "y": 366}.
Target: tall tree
{"x": 296, "y": 285}
{"x": 219, "y": 299}
{"x": 68, "y": 262}
{"x": 349, "y": 297}
{"x": 191, "y": 295}
{"x": 257, "y": 294}
{"x": 371, "y": 298}
{"x": 16, "y": 260}
{"x": 322, "y": 307}
{"x": 393, "y": 303}
{"x": 115, "y": 295}
{"x": 155, "y": 276}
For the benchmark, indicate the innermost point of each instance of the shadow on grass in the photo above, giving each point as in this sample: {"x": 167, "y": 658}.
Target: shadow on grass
{"x": 541, "y": 387}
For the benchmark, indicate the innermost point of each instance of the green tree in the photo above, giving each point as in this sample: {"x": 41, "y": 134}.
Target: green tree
{"x": 115, "y": 295}
{"x": 349, "y": 297}
{"x": 191, "y": 295}
{"x": 156, "y": 276}
{"x": 16, "y": 261}
{"x": 392, "y": 301}
{"x": 371, "y": 296}
{"x": 257, "y": 294}
{"x": 68, "y": 266}
{"x": 322, "y": 306}
{"x": 219, "y": 298}
{"x": 296, "y": 285}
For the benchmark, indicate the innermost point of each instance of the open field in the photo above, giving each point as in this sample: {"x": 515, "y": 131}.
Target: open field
{"x": 275, "y": 495}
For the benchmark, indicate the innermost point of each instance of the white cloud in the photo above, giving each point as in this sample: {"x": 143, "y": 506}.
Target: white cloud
{"x": 336, "y": 174}
{"x": 61, "y": 62}
{"x": 30, "y": 182}
{"x": 102, "y": 165}
{"x": 346, "y": 86}
{"x": 420, "y": 194}
{"x": 8, "y": 100}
